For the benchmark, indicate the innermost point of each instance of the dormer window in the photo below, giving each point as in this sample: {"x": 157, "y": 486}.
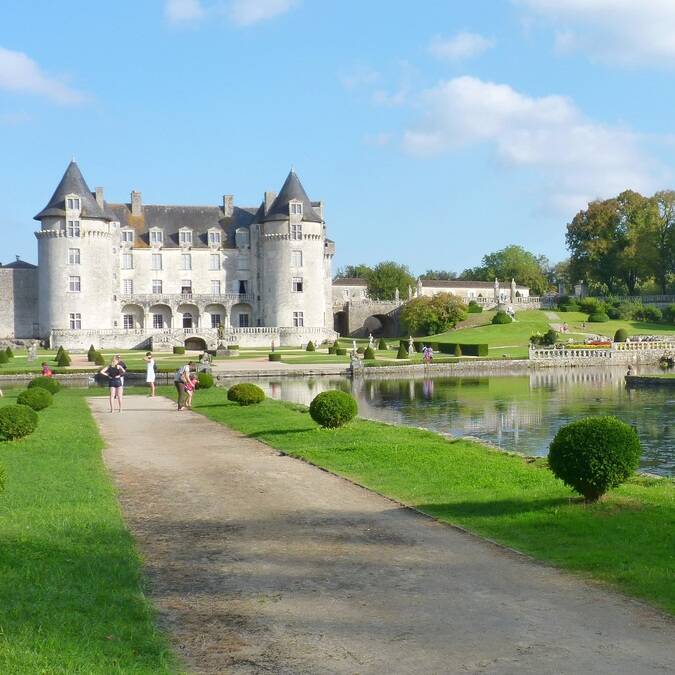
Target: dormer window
{"x": 73, "y": 203}
{"x": 215, "y": 238}
{"x": 156, "y": 237}
{"x": 295, "y": 208}
{"x": 185, "y": 237}
{"x": 127, "y": 236}
{"x": 241, "y": 237}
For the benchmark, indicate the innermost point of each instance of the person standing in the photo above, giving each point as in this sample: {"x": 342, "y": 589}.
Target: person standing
{"x": 150, "y": 371}
{"x": 122, "y": 365}
{"x": 181, "y": 380}
{"x": 114, "y": 372}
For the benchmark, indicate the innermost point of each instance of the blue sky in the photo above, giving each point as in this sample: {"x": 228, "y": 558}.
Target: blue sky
{"x": 434, "y": 131}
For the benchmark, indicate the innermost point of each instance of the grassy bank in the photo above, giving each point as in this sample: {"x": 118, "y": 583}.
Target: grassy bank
{"x": 622, "y": 540}
{"x": 70, "y": 582}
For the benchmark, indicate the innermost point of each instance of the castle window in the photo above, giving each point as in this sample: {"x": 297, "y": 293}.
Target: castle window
{"x": 298, "y": 319}
{"x": 243, "y": 287}
{"x": 214, "y": 238}
{"x": 214, "y": 262}
{"x": 296, "y": 258}
{"x": 186, "y": 261}
{"x": 73, "y": 203}
{"x": 297, "y": 284}
{"x": 157, "y": 321}
{"x": 186, "y": 287}
{"x": 296, "y": 208}
{"x": 241, "y": 237}
{"x": 127, "y": 261}
{"x": 242, "y": 262}
{"x": 296, "y": 231}
{"x": 73, "y": 228}
{"x": 127, "y": 321}
{"x": 157, "y": 286}
{"x": 73, "y": 256}
{"x": 216, "y": 320}
{"x": 75, "y": 321}
{"x": 128, "y": 287}
{"x": 244, "y": 320}
{"x": 128, "y": 236}
{"x": 156, "y": 237}
{"x": 74, "y": 285}
{"x": 215, "y": 287}
{"x": 185, "y": 237}
{"x": 156, "y": 261}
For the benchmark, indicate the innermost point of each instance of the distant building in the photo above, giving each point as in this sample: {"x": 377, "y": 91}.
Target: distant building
{"x": 134, "y": 274}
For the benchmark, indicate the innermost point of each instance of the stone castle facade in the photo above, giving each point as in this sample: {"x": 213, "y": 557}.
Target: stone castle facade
{"x": 156, "y": 276}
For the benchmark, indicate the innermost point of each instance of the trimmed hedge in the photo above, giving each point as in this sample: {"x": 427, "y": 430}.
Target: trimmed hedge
{"x": 458, "y": 350}
{"x": 480, "y": 349}
{"x": 205, "y": 380}
{"x": 594, "y": 454}
{"x": 598, "y": 317}
{"x": 382, "y": 344}
{"x": 3, "y": 356}
{"x": 621, "y": 335}
{"x": 274, "y": 356}
{"x": 91, "y": 353}
{"x": 341, "y": 351}
{"x": 63, "y": 360}
{"x": 332, "y": 409}
{"x": 474, "y": 307}
{"x": 310, "y": 347}
{"x": 48, "y": 383}
{"x": 369, "y": 353}
{"x": 501, "y": 317}
{"x": 179, "y": 350}
{"x": 245, "y": 394}
{"x": 402, "y": 352}
{"x": 36, "y": 398}
{"x": 9, "y": 352}
{"x": 332, "y": 349}
{"x": 17, "y": 421}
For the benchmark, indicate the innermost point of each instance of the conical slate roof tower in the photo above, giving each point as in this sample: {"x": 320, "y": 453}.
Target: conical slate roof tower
{"x": 292, "y": 190}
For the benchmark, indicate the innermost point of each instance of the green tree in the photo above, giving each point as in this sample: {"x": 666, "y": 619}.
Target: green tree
{"x": 353, "y": 272}
{"x": 439, "y": 274}
{"x": 660, "y": 241}
{"x": 386, "y": 277}
{"x": 429, "y": 316}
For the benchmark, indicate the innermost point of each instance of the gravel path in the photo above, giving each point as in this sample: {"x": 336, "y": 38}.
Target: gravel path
{"x": 259, "y": 563}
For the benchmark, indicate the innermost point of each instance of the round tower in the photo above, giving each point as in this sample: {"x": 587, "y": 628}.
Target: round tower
{"x": 292, "y": 260}
{"x": 74, "y": 259}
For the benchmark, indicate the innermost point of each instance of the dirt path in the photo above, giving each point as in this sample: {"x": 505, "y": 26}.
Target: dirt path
{"x": 260, "y": 563}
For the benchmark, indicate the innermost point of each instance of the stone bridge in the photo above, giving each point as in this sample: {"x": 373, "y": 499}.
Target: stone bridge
{"x": 363, "y": 317}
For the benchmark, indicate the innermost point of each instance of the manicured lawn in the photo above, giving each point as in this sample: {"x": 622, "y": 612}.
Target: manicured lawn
{"x": 70, "y": 578}
{"x": 624, "y": 540}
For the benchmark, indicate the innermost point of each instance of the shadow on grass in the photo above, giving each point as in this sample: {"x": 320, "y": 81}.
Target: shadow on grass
{"x": 280, "y": 432}
{"x": 496, "y": 508}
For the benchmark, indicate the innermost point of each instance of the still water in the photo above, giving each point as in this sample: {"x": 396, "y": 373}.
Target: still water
{"x": 516, "y": 412}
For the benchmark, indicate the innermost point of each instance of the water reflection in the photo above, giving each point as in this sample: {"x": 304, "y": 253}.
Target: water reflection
{"x": 517, "y": 412}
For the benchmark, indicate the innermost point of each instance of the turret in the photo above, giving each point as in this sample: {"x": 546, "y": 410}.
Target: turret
{"x": 74, "y": 258}
{"x": 293, "y": 255}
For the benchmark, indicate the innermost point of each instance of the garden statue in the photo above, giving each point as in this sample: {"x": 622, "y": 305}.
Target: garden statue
{"x": 272, "y": 344}
{"x": 513, "y": 290}
{"x": 221, "y": 331}
{"x": 370, "y": 340}
{"x": 496, "y": 289}
{"x": 411, "y": 346}
{"x": 354, "y": 347}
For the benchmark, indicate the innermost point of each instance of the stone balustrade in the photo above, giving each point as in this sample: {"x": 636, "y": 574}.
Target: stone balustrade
{"x": 174, "y": 300}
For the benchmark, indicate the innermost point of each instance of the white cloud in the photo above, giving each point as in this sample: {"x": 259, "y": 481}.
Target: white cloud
{"x": 623, "y": 31}
{"x": 463, "y": 45}
{"x": 184, "y": 11}
{"x": 19, "y": 73}
{"x": 247, "y": 12}
{"x": 400, "y": 94}
{"x": 359, "y": 76}
{"x": 576, "y": 158}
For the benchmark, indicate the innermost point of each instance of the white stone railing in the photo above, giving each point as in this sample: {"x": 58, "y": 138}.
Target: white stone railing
{"x": 179, "y": 298}
{"x": 615, "y": 350}
{"x": 645, "y": 346}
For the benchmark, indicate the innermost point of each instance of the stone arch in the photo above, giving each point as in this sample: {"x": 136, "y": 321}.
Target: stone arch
{"x": 378, "y": 325}
{"x": 212, "y": 311}
{"x": 195, "y": 344}
{"x": 163, "y": 311}
{"x": 239, "y": 311}
{"x": 341, "y": 323}
{"x": 136, "y": 313}
{"x": 189, "y": 315}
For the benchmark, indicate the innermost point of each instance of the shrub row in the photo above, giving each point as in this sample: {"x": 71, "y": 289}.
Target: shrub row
{"x": 617, "y": 309}
{"x": 480, "y": 349}
{"x": 17, "y": 421}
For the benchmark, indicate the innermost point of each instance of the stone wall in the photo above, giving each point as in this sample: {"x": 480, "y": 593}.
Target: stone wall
{"x": 18, "y": 302}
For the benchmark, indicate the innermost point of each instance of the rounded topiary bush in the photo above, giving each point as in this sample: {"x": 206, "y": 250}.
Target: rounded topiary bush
{"x": 341, "y": 351}
{"x": 598, "y": 317}
{"x": 310, "y": 347}
{"x": 501, "y": 317}
{"x": 9, "y": 352}
{"x": 621, "y": 335}
{"x": 369, "y": 353}
{"x": 382, "y": 344}
{"x": 63, "y": 360}
{"x": 36, "y": 398}
{"x": 3, "y": 356}
{"x": 594, "y": 454}
{"x": 245, "y": 394}
{"x": 98, "y": 359}
{"x": 48, "y": 383}
{"x": 179, "y": 350}
{"x": 17, "y": 421}
{"x": 332, "y": 409}
{"x": 274, "y": 356}
{"x": 205, "y": 380}
{"x": 402, "y": 352}
{"x": 474, "y": 307}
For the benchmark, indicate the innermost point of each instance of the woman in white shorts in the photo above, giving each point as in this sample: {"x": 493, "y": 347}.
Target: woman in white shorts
{"x": 150, "y": 372}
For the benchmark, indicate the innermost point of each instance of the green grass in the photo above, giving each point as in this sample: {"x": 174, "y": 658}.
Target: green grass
{"x": 622, "y": 540}
{"x": 70, "y": 578}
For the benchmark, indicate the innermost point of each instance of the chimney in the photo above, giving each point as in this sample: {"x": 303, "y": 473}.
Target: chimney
{"x": 269, "y": 199}
{"x": 228, "y": 205}
{"x": 99, "y": 196}
{"x": 136, "y": 204}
